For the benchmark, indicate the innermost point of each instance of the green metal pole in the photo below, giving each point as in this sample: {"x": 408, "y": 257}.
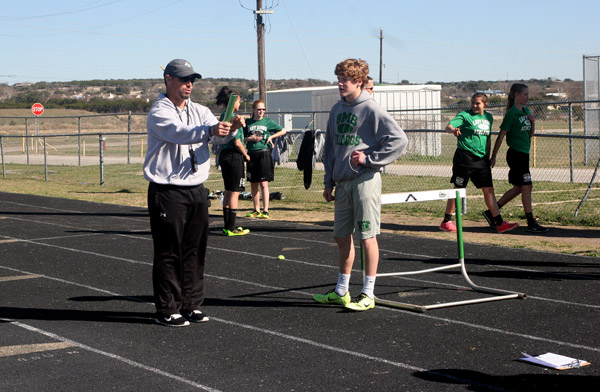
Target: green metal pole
{"x": 459, "y": 231}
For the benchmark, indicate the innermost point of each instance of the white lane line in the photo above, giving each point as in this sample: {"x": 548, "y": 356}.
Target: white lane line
{"x": 68, "y": 282}
{"x": 90, "y": 230}
{"x": 357, "y": 354}
{"x": 275, "y": 288}
{"x": 19, "y": 277}
{"x": 60, "y": 237}
{"x": 75, "y": 211}
{"x": 289, "y": 260}
{"x": 8, "y": 241}
{"x": 82, "y": 251}
{"x": 110, "y": 355}
{"x": 254, "y": 234}
{"x": 7, "y": 351}
{"x": 239, "y": 325}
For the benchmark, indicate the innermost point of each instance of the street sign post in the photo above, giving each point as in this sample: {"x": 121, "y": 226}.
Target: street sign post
{"x": 37, "y": 109}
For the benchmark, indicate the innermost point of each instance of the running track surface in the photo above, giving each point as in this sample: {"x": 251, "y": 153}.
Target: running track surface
{"x": 76, "y": 311}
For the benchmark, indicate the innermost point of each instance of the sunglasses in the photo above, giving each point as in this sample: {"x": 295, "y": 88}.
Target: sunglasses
{"x": 261, "y": 109}
{"x": 187, "y": 79}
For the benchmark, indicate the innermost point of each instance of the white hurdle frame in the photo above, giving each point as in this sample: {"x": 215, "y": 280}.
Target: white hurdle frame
{"x": 458, "y": 194}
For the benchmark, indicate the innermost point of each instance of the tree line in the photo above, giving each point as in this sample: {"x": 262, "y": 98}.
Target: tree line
{"x": 96, "y": 105}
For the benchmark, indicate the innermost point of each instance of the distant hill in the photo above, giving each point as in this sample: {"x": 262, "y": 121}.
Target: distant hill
{"x": 124, "y": 95}
{"x": 136, "y": 95}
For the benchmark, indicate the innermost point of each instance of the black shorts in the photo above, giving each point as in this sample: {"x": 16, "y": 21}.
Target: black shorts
{"x": 261, "y": 167}
{"x": 467, "y": 165}
{"x": 232, "y": 169}
{"x": 518, "y": 162}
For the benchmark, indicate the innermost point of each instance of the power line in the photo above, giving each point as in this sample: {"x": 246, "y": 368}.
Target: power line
{"x": 75, "y": 10}
{"x": 298, "y": 39}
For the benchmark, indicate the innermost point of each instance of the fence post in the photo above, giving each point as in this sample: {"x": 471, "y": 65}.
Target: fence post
{"x": 129, "y": 137}
{"x": 27, "y": 138}
{"x": 2, "y": 153}
{"x": 100, "y": 145}
{"x": 79, "y": 141}
{"x": 571, "y": 141}
{"x": 45, "y": 160}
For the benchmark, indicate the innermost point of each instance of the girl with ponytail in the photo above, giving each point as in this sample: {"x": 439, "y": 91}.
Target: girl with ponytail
{"x": 518, "y": 126}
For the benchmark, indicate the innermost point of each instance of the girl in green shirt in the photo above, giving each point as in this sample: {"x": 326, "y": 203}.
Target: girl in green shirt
{"x": 231, "y": 159}
{"x": 518, "y": 126}
{"x": 472, "y": 129}
{"x": 259, "y": 133}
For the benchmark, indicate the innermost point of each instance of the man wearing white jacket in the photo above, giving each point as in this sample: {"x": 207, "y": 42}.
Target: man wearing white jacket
{"x": 176, "y": 165}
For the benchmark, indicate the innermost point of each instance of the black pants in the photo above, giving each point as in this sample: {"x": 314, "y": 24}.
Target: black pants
{"x": 179, "y": 224}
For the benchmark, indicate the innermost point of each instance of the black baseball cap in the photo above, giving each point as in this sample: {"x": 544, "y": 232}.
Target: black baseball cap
{"x": 181, "y": 69}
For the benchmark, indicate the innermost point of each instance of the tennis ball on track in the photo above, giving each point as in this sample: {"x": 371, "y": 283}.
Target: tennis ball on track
{"x": 281, "y": 257}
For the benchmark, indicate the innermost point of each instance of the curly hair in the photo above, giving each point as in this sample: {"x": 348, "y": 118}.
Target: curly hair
{"x": 355, "y": 69}
{"x": 223, "y": 96}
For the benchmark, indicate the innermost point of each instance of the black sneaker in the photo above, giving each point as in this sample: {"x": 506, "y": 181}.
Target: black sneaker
{"x": 487, "y": 214}
{"x": 196, "y": 316}
{"x": 536, "y": 228}
{"x": 174, "y": 320}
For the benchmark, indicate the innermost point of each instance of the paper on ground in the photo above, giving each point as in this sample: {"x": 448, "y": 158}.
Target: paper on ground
{"x": 555, "y": 361}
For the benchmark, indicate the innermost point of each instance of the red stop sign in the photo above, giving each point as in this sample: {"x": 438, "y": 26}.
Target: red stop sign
{"x": 37, "y": 109}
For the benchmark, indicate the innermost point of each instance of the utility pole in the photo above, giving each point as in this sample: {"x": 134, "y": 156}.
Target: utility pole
{"x": 260, "y": 36}
{"x": 380, "y": 56}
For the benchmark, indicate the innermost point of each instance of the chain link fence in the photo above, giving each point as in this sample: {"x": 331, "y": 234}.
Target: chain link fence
{"x": 563, "y": 163}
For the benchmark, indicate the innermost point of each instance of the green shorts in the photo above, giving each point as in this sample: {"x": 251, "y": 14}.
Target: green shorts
{"x": 358, "y": 206}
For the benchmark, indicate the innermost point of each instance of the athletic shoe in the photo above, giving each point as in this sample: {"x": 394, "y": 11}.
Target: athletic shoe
{"x": 197, "y": 316}
{"x": 360, "y": 303}
{"x": 448, "y": 226}
{"x": 331, "y": 297}
{"x": 505, "y": 226}
{"x": 238, "y": 231}
{"x": 264, "y": 215}
{"x": 536, "y": 228}
{"x": 174, "y": 320}
{"x": 254, "y": 214}
{"x": 487, "y": 214}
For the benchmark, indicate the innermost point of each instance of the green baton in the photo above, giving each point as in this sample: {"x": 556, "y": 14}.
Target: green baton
{"x": 229, "y": 111}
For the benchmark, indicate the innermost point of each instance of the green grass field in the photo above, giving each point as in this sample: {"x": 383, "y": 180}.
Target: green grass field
{"x": 125, "y": 184}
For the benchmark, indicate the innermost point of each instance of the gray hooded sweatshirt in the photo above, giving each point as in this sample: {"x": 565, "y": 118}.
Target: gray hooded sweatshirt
{"x": 360, "y": 125}
{"x": 171, "y": 134}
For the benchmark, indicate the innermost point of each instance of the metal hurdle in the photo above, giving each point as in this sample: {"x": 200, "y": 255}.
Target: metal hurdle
{"x": 410, "y": 197}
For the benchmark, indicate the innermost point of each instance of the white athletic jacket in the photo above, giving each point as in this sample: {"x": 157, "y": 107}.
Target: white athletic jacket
{"x": 171, "y": 133}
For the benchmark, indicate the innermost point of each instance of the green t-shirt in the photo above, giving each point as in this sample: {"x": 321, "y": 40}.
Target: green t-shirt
{"x": 518, "y": 129}
{"x": 264, "y": 128}
{"x": 475, "y": 130}
{"x": 239, "y": 135}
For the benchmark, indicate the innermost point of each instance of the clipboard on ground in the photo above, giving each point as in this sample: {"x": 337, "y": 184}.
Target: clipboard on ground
{"x": 554, "y": 361}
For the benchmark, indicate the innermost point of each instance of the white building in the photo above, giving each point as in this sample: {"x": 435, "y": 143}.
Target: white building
{"x": 308, "y": 108}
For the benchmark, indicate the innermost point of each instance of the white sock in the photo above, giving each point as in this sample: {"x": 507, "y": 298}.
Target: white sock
{"x": 369, "y": 286}
{"x": 343, "y": 284}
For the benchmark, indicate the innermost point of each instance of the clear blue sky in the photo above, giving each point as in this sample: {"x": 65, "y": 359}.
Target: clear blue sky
{"x": 439, "y": 41}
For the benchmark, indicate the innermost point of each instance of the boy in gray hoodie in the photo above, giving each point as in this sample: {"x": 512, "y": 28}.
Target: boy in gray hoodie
{"x": 361, "y": 139}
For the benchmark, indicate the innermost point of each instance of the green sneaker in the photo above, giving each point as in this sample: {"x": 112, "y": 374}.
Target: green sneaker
{"x": 238, "y": 231}
{"x": 360, "y": 303}
{"x": 264, "y": 215}
{"x": 331, "y": 297}
{"x": 254, "y": 214}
